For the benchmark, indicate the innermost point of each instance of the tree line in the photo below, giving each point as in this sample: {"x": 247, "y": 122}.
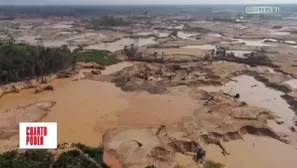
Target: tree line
{"x": 22, "y": 61}
{"x": 107, "y": 20}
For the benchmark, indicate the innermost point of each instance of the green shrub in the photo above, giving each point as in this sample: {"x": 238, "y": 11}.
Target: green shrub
{"x": 102, "y": 57}
{"x": 151, "y": 166}
{"x": 212, "y": 164}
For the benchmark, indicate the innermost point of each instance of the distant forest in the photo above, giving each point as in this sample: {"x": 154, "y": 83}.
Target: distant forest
{"x": 22, "y": 61}
{"x": 86, "y": 11}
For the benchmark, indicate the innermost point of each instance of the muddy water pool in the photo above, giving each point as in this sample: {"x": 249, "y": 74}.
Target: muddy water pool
{"x": 256, "y": 93}
{"x": 203, "y": 46}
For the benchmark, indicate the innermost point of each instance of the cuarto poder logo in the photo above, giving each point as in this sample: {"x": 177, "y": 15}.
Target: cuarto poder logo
{"x": 38, "y": 135}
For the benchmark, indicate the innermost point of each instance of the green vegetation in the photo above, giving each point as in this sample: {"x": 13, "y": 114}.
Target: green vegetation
{"x": 44, "y": 159}
{"x": 81, "y": 156}
{"x": 73, "y": 159}
{"x": 150, "y": 166}
{"x": 29, "y": 159}
{"x": 94, "y": 153}
{"x": 102, "y": 57}
{"x": 212, "y": 164}
{"x": 21, "y": 61}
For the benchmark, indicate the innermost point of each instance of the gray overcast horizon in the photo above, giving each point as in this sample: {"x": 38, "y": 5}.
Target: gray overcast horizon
{"x": 138, "y": 2}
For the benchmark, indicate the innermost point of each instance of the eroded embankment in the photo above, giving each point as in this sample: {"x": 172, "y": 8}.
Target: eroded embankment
{"x": 18, "y": 86}
{"x": 154, "y": 78}
{"x": 38, "y": 83}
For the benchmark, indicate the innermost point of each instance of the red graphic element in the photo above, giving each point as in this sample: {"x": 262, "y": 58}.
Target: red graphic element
{"x": 35, "y": 135}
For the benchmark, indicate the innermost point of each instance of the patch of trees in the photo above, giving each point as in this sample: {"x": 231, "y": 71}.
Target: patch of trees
{"x": 22, "y": 61}
{"x": 133, "y": 53}
{"x": 80, "y": 156}
{"x": 253, "y": 59}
